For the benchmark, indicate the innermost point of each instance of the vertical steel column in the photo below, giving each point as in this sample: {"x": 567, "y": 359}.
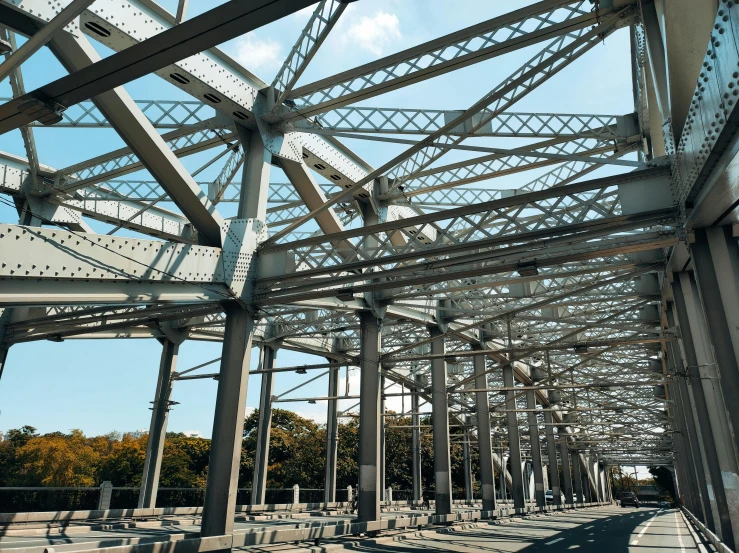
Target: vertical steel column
{"x": 382, "y": 439}
{"x": 716, "y": 259}
{"x": 566, "y": 475}
{"x": 416, "y": 438}
{"x": 332, "y": 435}
{"x": 228, "y": 423}
{"x": 535, "y": 449}
{"x": 514, "y": 440}
{"x": 467, "y": 462}
{"x": 440, "y": 425}
{"x": 577, "y": 475}
{"x": 691, "y": 468}
{"x": 552, "y": 454}
{"x": 484, "y": 434}
{"x": 264, "y": 428}
{"x": 597, "y": 480}
{"x": 718, "y": 445}
{"x": 255, "y": 176}
{"x": 369, "y": 417}
{"x": 158, "y": 425}
{"x": 700, "y": 464}
{"x": 599, "y": 469}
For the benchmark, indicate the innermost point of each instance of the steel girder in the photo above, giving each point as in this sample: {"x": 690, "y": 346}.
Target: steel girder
{"x": 564, "y": 263}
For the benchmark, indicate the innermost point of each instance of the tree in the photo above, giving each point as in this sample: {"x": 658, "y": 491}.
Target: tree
{"x": 57, "y": 460}
{"x": 124, "y": 463}
{"x": 14, "y": 439}
{"x": 663, "y": 480}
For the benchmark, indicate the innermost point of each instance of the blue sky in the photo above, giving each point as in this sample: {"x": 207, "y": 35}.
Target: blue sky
{"x": 103, "y": 385}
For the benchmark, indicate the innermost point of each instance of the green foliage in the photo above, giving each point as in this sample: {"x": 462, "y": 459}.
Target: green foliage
{"x": 297, "y": 455}
{"x": 663, "y": 480}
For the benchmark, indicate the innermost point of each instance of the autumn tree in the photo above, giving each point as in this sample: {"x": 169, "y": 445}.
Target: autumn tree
{"x": 57, "y": 460}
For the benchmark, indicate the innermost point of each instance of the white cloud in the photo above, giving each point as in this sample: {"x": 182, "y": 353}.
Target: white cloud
{"x": 374, "y": 33}
{"x": 255, "y": 54}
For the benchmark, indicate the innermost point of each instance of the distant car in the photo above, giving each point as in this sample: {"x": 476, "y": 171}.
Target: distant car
{"x": 664, "y": 505}
{"x": 629, "y": 499}
{"x": 549, "y": 497}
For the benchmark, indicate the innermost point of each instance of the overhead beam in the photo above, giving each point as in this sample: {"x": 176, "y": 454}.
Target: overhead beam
{"x": 209, "y": 29}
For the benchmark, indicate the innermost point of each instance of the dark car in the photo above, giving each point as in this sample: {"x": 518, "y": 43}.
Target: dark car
{"x": 629, "y": 499}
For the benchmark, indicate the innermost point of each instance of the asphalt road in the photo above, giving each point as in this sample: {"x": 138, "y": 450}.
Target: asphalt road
{"x": 601, "y": 530}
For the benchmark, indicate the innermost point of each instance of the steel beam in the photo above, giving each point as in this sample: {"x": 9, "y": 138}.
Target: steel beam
{"x": 440, "y": 423}
{"x": 704, "y": 396}
{"x": 228, "y": 424}
{"x": 716, "y": 260}
{"x": 514, "y": 440}
{"x": 264, "y": 427}
{"x": 136, "y": 130}
{"x": 369, "y": 417}
{"x": 191, "y": 37}
{"x": 158, "y": 428}
{"x": 47, "y": 32}
{"x": 491, "y": 38}
{"x": 576, "y": 475}
{"x": 535, "y": 445}
{"x": 332, "y": 436}
{"x": 484, "y": 435}
{"x": 552, "y": 458}
{"x": 417, "y": 479}
{"x": 564, "y": 455}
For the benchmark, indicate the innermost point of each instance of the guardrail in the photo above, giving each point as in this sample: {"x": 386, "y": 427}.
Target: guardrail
{"x": 710, "y": 536}
{"x": 67, "y": 498}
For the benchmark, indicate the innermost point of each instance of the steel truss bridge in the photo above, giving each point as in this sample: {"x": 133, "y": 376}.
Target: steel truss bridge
{"x": 590, "y": 319}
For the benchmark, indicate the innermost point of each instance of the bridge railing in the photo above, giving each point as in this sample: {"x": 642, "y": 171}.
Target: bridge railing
{"x": 67, "y": 498}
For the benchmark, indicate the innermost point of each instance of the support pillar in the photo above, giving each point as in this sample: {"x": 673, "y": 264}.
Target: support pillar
{"x": 566, "y": 475}
{"x": 577, "y": 476}
{"x": 264, "y": 428}
{"x": 552, "y": 454}
{"x": 332, "y": 435}
{"x": 700, "y": 465}
{"x": 535, "y": 449}
{"x": 228, "y": 423}
{"x": 603, "y": 487}
{"x": 383, "y": 454}
{"x": 440, "y": 425}
{"x": 467, "y": 463}
{"x": 718, "y": 445}
{"x": 691, "y": 465}
{"x": 484, "y": 435}
{"x": 158, "y": 425}
{"x": 716, "y": 259}
{"x": 514, "y": 440}
{"x": 586, "y": 481}
{"x": 369, "y": 417}
{"x": 416, "y": 439}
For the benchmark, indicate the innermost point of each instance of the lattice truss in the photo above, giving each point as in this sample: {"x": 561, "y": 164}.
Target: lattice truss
{"x": 564, "y": 263}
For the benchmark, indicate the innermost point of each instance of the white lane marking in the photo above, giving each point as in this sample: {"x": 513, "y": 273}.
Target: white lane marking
{"x": 679, "y": 534}
{"x": 634, "y": 542}
{"x": 647, "y": 526}
{"x": 553, "y": 541}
